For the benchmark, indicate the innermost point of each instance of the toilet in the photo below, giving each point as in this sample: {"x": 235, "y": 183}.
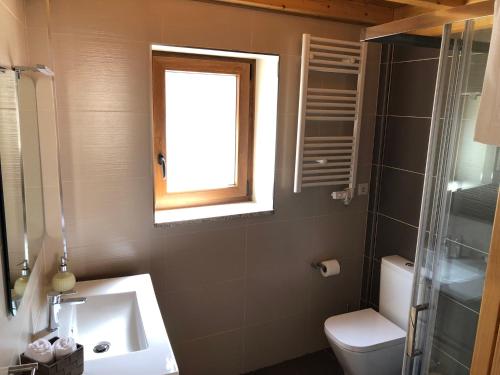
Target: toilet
{"x": 370, "y": 342}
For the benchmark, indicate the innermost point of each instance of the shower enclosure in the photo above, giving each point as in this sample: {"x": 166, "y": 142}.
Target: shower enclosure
{"x": 456, "y": 217}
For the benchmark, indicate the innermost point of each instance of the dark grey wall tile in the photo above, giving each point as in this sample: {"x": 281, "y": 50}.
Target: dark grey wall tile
{"x": 406, "y": 141}
{"x": 395, "y": 238}
{"x": 441, "y": 363}
{"x": 383, "y": 88}
{"x": 374, "y": 195}
{"x": 477, "y": 70}
{"x": 468, "y": 292}
{"x": 455, "y": 329}
{"x": 412, "y": 88}
{"x": 386, "y": 53}
{"x": 408, "y": 52}
{"x": 375, "y": 283}
{"x": 470, "y": 231}
{"x": 365, "y": 284}
{"x": 401, "y": 194}
{"x": 370, "y": 234}
{"x": 379, "y": 139}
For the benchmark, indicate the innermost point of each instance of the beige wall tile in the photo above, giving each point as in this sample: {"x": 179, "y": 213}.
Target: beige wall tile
{"x": 192, "y": 260}
{"x": 339, "y": 235}
{"x": 104, "y": 145}
{"x": 220, "y": 354}
{"x": 127, "y": 19}
{"x": 39, "y": 46}
{"x": 96, "y": 73}
{"x": 271, "y": 32}
{"x": 228, "y": 289}
{"x": 12, "y": 37}
{"x": 112, "y": 259}
{"x": 275, "y": 341}
{"x": 16, "y": 8}
{"x": 206, "y": 25}
{"x": 37, "y": 13}
{"x": 98, "y": 213}
{"x": 203, "y": 311}
{"x": 331, "y": 296}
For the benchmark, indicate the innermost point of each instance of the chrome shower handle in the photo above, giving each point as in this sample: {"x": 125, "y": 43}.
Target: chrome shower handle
{"x": 412, "y": 329}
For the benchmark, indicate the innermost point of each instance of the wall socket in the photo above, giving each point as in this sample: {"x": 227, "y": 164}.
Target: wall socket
{"x": 363, "y": 189}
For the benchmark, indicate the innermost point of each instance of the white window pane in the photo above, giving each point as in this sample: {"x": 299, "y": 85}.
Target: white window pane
{"x": 200, "y": 116}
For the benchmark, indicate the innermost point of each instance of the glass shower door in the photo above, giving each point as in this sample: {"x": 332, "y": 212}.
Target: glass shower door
{"x": 458, "y": 205}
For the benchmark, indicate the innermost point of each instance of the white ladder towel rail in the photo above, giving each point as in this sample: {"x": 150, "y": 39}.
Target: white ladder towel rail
{"x": 329, "y": 160}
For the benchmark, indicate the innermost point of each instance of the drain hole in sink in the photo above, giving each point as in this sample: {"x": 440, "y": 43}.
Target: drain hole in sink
{"x": 102, "y": 347}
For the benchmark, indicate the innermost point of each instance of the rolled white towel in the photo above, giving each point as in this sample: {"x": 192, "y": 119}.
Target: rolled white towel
{"x": 64, "y": 346}
{"x": 40, "y": 351}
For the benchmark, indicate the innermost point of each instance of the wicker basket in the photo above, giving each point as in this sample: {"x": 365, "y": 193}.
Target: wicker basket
{"x": 72, "y": 364}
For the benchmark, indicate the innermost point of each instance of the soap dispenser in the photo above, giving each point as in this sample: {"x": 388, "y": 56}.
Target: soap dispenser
{"x": 22, "y": 282}
{"x": 63, "y": 280}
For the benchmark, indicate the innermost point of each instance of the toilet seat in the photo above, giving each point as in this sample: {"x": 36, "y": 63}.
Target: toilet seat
{"x": 363, "y": 331}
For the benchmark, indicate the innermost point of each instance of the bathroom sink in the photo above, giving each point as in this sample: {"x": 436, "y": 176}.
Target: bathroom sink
{"x": 120, "y": 327}
{"x": 463, "y": 278}
{"x": 112, "y": 322}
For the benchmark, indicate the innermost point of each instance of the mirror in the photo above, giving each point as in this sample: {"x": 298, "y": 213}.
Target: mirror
{"x": 21, "y": 216}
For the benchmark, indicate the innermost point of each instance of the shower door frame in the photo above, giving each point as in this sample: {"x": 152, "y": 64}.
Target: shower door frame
{"x": 452, "y": 76}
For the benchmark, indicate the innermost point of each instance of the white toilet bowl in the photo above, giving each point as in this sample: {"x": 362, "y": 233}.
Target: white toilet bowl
{"x": 366, "y": 343}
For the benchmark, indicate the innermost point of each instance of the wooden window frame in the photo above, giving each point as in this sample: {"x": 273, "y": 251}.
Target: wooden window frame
{"x": 244, "y": 69}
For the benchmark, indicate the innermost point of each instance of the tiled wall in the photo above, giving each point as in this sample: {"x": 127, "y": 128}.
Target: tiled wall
{"x": 406, "y": 92}
{"x": 235, "y": 295}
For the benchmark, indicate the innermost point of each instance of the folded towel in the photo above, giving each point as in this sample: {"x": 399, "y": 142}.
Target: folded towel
{"x": 40, "y": 351}
{"x": 64, "y": 346}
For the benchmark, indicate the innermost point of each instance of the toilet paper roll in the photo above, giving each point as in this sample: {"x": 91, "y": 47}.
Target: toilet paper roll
{"x": 330, "y": 267}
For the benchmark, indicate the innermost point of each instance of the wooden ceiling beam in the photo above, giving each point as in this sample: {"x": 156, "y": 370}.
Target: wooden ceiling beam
{"x": 408, "y": 11}
{"x": 430, "y": 21}
{"x": 432, "y": 4}
{"x": 338, "y": 10}
{"x": 458, "y": 27}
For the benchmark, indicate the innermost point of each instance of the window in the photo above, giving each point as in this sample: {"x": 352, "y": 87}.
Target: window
{"x": 203, "y": 111}
{"x": 214, "y": 132}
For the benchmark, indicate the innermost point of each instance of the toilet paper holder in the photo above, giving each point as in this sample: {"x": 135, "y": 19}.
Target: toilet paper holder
{"x": 318, "y": 266}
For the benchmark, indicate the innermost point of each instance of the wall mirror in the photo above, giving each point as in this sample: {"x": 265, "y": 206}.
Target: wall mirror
{"x": 22, "y": 215}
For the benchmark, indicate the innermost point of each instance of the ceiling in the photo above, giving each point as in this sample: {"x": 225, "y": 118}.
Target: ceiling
{"x": 367, "y": 12}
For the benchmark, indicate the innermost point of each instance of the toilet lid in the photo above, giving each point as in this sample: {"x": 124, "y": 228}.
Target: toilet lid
{"x": 363, "y": 331}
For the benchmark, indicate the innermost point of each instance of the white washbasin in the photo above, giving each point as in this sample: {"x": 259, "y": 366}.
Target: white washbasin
{"x": 122, "y": 314}
{"x": 463, "y": 278}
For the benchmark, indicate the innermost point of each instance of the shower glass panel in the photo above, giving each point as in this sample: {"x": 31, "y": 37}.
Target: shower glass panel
{"x": 458, "y": 206}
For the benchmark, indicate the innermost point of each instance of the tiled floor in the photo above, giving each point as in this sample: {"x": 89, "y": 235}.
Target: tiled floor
{"x": 319, "y": 363}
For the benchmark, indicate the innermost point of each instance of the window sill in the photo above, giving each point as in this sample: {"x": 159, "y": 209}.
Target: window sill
{"x": 222, "y": 211}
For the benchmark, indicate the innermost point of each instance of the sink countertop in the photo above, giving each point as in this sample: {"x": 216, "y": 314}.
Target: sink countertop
{"x": 157, "y": 358}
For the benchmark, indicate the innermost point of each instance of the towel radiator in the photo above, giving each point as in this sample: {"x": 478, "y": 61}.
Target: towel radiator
{"x": 330, "y": 102}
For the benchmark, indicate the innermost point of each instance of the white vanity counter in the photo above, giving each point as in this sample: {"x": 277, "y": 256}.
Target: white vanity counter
{"x": 122, "y": 312}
